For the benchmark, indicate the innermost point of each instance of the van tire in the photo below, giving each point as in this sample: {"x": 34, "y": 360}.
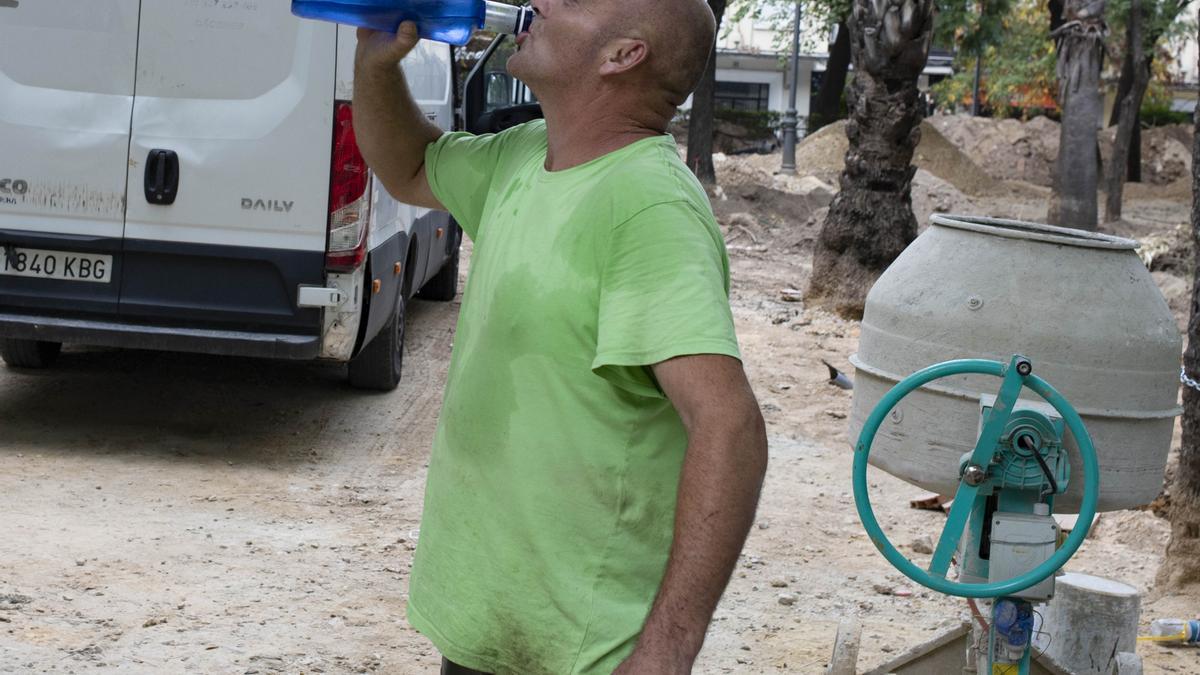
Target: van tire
{"x": 444, "y": 285}
{"x": 378, "y": 366}
{"x": 29, "y": 353}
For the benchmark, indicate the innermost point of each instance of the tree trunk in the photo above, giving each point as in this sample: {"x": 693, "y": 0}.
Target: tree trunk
{"x": 1080, "y": 44}
{"x": 1182, "y": 563}
{"x": 1056, "y": 14}
{"x": 1153, "y": 21}
{"x": 1126, "y": 111}
{"x": 1125, "y": 82}
{"x": 1133, "y": 165}
{"x": 871, "y": 221}
{"x": 828, "y": 106}
{"x": 1133, "y": 162}
{"x": 700, "y": 121}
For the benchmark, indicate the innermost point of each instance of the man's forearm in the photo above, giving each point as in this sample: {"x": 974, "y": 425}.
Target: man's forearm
{"x": 391, "y": 129}
{"x": 718, "y": 493}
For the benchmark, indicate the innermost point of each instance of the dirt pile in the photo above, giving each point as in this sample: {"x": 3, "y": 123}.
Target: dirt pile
{"x": 823, "y": 153}
{"x": 761, "y": 209}
{"x": 1006, "y": 149}
{"x": 1167, "y": 153}
{"x": 1165, "y": 158}
{"x": 788, "y": 211}
{"x": 1180, "y": 132}
{"x": 1009, "y": 149}
{"x": 1168, "y": 250}
{"x": 747, "y": 171}
{"x": 931, "y": 194}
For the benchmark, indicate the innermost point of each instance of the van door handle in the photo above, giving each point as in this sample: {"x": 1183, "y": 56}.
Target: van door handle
{"x": 162, "y": 176}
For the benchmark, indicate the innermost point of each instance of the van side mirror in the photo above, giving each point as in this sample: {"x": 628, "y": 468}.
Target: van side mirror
{"x": 498, "y": 88}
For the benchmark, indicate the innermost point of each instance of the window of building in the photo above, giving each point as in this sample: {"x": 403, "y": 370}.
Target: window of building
{"x": 753, "y": 96}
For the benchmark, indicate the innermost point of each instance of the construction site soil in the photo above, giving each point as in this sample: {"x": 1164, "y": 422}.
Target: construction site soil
{"x": 177, "y": 513}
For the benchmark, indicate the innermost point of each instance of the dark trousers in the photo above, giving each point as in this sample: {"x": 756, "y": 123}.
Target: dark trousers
{"x": 451, "y": 668}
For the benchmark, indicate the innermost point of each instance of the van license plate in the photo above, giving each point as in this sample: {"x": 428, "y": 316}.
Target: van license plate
{"x": 34, "y": 262}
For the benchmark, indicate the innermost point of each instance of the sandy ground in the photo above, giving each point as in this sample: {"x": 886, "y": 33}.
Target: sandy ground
{"x": 167, "y": 513}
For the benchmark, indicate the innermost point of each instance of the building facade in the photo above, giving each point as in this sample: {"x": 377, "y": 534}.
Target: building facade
{"x": 754, "y": 65}
{"x": 1185, "y": 71}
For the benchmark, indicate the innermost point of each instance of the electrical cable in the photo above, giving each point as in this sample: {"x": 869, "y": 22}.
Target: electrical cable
{"x": 978, "y": 615}
{"x": 1027, "y": 444}
{"x": 1041, "y": 633}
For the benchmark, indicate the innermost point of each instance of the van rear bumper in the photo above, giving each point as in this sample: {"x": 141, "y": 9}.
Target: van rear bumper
{"x": 172, "y": 338}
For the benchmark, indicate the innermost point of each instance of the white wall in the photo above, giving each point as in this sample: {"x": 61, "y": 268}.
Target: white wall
{"x": 775, "y": 80}
{"x": 757, "y": 36}
{"x": 777, "y": 98}
{"x": 1185, "y": 67}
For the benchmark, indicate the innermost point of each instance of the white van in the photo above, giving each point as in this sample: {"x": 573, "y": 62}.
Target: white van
{"x": 183, "y": 175}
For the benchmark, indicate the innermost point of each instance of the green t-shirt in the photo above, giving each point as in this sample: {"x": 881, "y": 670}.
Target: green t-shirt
{"x": 550, "y": 501}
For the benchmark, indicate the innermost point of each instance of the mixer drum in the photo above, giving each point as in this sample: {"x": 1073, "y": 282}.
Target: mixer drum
{"x": 1080, "y": 305}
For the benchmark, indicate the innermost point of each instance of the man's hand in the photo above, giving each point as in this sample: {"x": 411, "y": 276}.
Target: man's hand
{"x": 379, "y": 49}
{"x": 718, "y": 493}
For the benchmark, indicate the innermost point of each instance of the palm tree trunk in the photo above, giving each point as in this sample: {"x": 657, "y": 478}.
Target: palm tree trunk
{"x": 871, "y": 221}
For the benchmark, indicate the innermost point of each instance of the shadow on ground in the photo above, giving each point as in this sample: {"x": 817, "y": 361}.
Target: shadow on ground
{"x": 109, "y": 400}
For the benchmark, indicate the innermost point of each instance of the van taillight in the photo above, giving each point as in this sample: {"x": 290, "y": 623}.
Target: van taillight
{"x": 349, "y": 196}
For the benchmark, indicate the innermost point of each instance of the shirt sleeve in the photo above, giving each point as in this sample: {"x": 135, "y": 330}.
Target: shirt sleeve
{"x": 460, "y": 168}
{"x": 664, "y": 293}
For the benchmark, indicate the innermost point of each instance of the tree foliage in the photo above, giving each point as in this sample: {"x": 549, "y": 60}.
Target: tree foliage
{"x": 1018, "y": 72}
{"x": 964, "y": 26}
{"x": 1019, "y": 63}
{"x": 779, "y": 14}
{"x": 1163, "y": 21}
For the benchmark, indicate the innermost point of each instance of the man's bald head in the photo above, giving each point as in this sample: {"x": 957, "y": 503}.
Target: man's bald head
{"x": 651, "y": 51}
{"x": 679, "y": 36}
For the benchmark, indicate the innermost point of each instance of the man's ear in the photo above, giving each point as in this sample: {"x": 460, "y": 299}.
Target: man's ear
{"x": 623, "y": 55}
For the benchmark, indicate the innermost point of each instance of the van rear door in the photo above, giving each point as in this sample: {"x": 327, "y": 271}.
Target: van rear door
{"x": 66, "y": 95}
{"x": 229, "y": 165}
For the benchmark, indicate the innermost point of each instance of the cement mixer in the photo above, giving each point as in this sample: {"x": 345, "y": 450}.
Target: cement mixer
{"x": 1026, "y": 369}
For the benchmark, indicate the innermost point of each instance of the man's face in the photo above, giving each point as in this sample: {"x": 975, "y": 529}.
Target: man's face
{"x": 562, "y": 48}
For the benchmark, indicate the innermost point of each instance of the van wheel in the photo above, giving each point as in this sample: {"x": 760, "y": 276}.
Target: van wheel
{"x": 29, "y": 353}
{"x": 444, "y": 286}
{"x": 379, "y": 364}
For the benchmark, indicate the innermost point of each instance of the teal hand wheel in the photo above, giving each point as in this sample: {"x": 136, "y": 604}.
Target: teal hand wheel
{"x": 1018, "y": 373}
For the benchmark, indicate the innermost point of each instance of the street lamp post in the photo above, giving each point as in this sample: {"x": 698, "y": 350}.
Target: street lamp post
{"x": 790, "y": 120}
{"x": 975, "y": 93}
{"x": 976, "y": 106}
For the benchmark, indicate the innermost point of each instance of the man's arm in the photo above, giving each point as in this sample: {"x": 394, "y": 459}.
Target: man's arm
{"x": 390, "y": 128}
{"x": 718, "y": 493}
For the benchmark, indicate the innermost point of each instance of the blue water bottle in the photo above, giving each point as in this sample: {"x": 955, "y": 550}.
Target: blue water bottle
{"x": 450, "y": 21}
